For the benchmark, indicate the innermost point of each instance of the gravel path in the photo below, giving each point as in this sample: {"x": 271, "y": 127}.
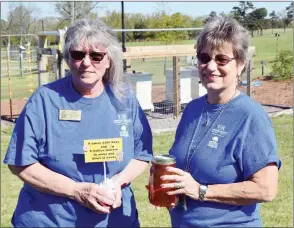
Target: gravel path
{"x": 161, "y": 123}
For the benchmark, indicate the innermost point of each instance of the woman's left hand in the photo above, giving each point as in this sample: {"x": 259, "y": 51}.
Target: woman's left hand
{"x": 182, "y": 181}
{"x": 118, "y": 193}
{"x": 118, "y": 197}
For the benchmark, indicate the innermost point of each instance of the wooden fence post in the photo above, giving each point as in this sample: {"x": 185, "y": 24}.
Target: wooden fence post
{"x": 9, "y": 78}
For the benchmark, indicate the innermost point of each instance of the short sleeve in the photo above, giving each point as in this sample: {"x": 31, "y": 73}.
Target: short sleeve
{"x": 142, "y": 134}
{"x": 260, "y": 147}
{"x": 27, "y": 134}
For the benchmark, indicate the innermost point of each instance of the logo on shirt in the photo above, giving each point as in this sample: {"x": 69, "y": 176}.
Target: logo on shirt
{"x": 124, "y": 131}
{"x": 123, "y": 121}
{"x": 219, "y": 131}
{"x": 213, "y": 143}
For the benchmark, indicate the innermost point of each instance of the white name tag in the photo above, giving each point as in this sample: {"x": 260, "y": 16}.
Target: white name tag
{"x": 72, "y": 115}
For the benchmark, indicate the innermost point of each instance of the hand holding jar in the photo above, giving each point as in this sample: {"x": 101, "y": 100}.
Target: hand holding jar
{"x": 157, "y": 195}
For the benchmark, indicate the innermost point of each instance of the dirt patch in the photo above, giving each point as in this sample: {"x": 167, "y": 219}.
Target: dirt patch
{"x": 269, "y": 92}
{"x": 273, "y": 92}
{"x": 16, "y": 106}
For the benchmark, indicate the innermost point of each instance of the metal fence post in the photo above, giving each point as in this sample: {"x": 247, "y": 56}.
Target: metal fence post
{"x": 20, "y": 61}
{"x": 29, "y": 68}
{"x": 249, "y": 77}
{"x": 176, "y": 86}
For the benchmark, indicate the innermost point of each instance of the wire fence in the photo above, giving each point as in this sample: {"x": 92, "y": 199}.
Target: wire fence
{"x": 149, "y": 68}
{"x": 157, "y": 73}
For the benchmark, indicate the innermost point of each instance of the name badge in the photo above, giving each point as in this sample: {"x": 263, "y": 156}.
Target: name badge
{"x": 102, "y": 150}
{"x": 72, "y": 115}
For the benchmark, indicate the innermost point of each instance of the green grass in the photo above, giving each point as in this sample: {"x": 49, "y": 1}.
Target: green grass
{"x": 20, "y": 87}
{"x": 266, "y": 47}
{"x": 274, "y": 214}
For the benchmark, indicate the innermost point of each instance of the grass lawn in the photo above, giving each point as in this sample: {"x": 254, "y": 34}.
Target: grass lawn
{"x": 274, "y": 214}
{"x": 266, "y": 47}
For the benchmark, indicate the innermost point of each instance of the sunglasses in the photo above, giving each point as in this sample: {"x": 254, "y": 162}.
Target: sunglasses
{"x": 94, "y": 56}
{"x": 220, "y": 59}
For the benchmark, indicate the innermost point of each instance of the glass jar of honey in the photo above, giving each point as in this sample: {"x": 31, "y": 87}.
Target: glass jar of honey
{"x": 158, "y": 196}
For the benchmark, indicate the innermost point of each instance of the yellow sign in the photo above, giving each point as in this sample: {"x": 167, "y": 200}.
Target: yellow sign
{"x": 101, "y": 150}
{"x": 73, "y": 115}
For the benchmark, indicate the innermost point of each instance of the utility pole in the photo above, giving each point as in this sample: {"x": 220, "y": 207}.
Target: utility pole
{"x": 123, "y": 35}
{"x": 42, "y": 25}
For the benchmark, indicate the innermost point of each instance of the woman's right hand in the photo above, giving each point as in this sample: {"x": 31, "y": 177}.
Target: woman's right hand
{"x": 94, "y": 197}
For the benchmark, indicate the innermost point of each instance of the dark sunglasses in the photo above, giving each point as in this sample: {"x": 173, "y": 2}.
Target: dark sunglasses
{"x": 94, "y": 56}
{"x": 220, "y": 59}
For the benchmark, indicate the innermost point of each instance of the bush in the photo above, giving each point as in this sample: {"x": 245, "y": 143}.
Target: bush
{"x": 282, "y": 66}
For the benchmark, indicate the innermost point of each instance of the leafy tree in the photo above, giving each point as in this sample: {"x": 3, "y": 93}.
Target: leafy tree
{"x": 257, "y": 17}
{"x": 21, "y": 20}
{"x": 113, "y": 19}
{"x": 274, "y": 19}
{"x": 211, "y": 15}
{"x": 289, "y": 10}
{"x": 240, "y": 12}
{"x": 283, "y": 14}
{"x": 140, "y": 22}
{"x": 4, "y": 30}
{"x": 176, "y": 20}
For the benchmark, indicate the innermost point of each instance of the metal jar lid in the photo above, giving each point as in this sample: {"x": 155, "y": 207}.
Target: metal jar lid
{"x": 164, "y": 159}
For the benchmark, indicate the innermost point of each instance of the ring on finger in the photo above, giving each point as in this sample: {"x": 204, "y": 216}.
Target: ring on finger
{"x": 178, "y": 185}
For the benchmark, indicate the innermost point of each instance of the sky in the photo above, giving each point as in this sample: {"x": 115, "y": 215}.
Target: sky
{"x": 193, "y": 9}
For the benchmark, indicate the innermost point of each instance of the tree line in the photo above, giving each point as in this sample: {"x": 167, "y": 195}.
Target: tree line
{"x": 21, "y": 20}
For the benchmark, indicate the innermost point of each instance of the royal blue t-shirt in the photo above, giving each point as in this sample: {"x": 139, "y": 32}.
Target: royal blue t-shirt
{"x": 41, "y": 136}
{"x": 227, "y": 143}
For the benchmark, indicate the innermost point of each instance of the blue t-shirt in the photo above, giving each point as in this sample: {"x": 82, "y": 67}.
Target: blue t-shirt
{"x": 40, "y": 136}
{"x": 226, "y": 144}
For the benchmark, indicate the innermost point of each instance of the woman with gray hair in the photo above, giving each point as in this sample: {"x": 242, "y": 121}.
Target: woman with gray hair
{"x": 225, "y": 146}
{"x": 81, "y": 140}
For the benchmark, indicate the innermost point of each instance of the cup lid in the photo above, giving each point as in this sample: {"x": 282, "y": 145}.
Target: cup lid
{"x": 164, "y": 159}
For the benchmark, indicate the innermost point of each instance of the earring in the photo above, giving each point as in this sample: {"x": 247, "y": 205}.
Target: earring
{"x": 238, "y": 81}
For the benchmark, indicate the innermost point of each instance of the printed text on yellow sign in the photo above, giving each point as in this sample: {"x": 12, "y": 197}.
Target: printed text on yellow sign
{"x": 101, "y": 150}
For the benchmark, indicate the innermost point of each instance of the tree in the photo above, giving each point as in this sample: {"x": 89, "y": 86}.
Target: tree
{"x": 176, "y": 20}
{"x": 273, "y": 18}
{"x": 196, "y": 23}
{"x": 21, "y": 20}
{"x": 240, "y": 12}
{"x": 257, "y": 17}
{"x": 113, "y": 20}
{"x": 289, "y": 10}
{"x": 4, "y": 30}
{"x": 70, "y": 11}
{"x": 210, "y": 16}
{"x": 140, "y": 22}
{"x": 283, "y": 14}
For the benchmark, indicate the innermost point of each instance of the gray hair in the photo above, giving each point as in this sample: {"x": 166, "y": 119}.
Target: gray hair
{"x": 221, "y": 30}
{"x": 92, "y": 33}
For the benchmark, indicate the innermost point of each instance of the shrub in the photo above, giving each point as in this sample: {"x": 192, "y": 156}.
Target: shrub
{"x": 282, "y": 65}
